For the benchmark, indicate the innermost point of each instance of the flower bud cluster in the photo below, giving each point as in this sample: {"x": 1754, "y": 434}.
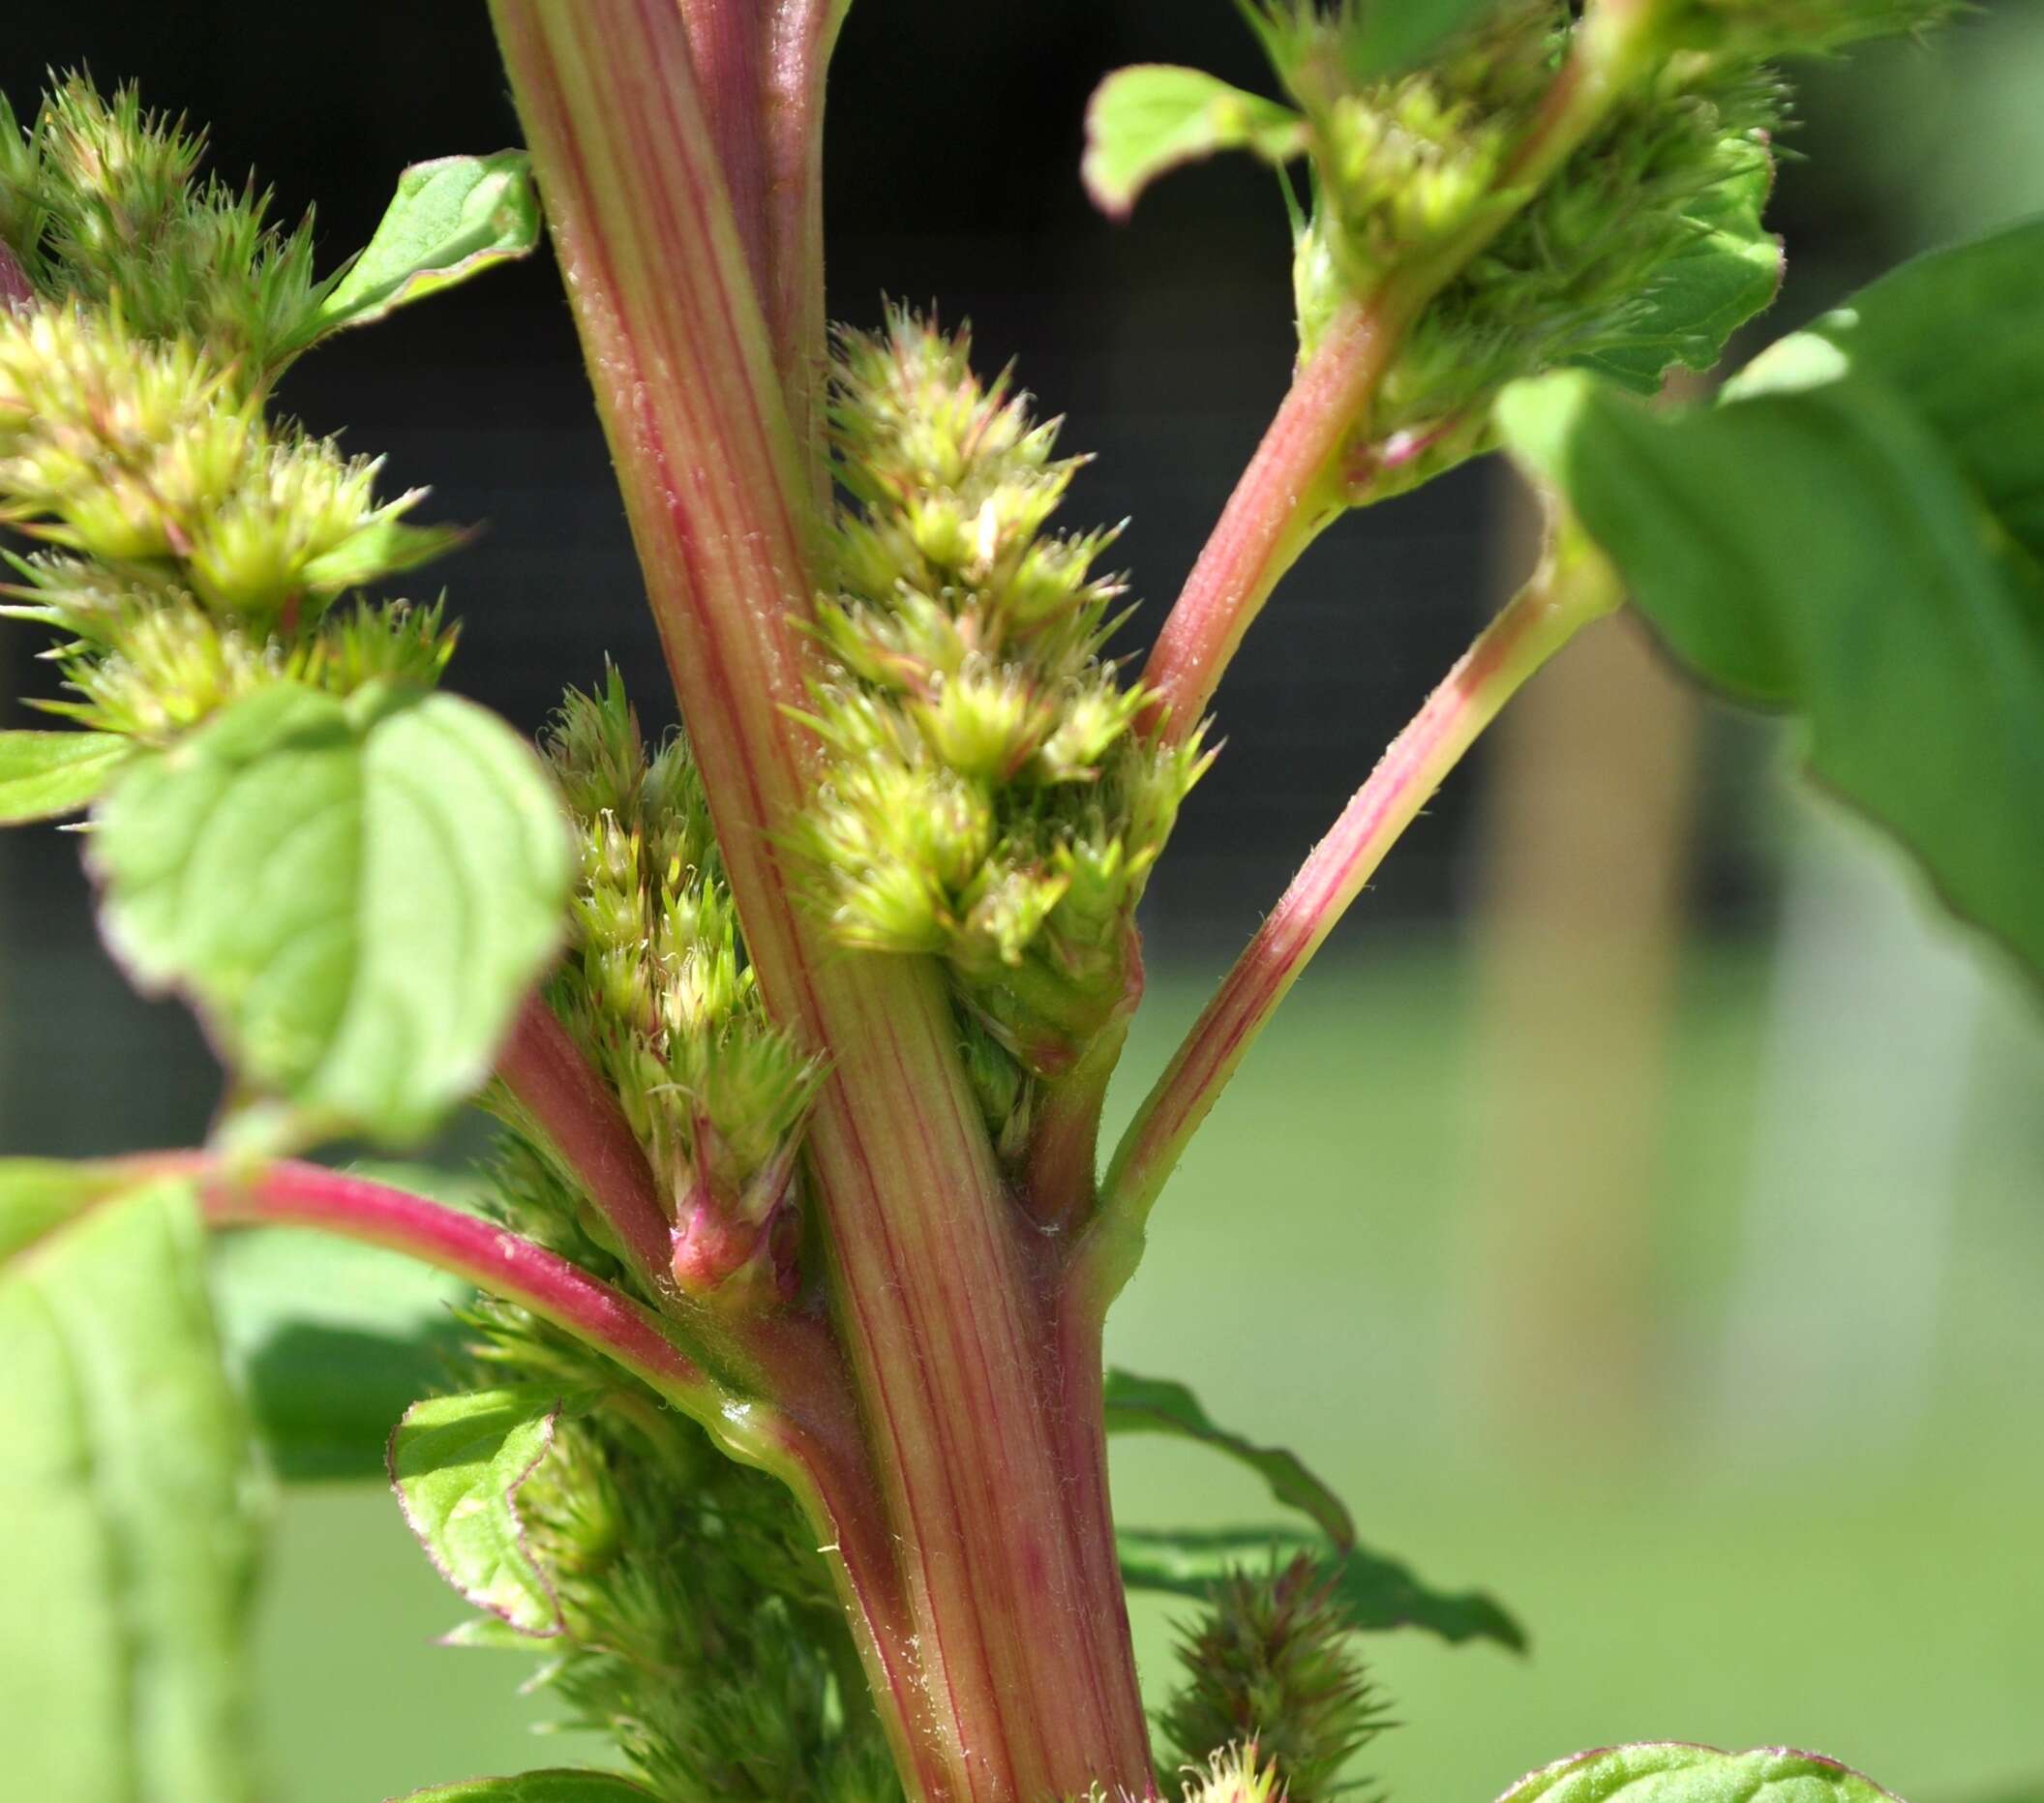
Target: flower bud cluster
{"x": 1415, "y": 164}
{"x": 195, "y": 547}
{"x": 661, "y": 996}
{"x": 1271, "y": 1666}
{"x": 101, "y": 199}
{"x": 989, "y": 798}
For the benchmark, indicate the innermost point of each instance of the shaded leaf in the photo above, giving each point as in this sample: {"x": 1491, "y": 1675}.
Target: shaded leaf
{"x": 1856, "y": 533}
{"x": 1378, "y": 1592}
{"x": 457, "y": 1463}
{"x": 1676, "y": 1772}
{"x": 449, "y": 219}
{"x": 356, "y": 895}
{"x": 552, "y": 1786}
{"x": 1730, "y": 272}
{"x": 47, "y": 775}
{"x": 1144, "y": 121}
{"x": 333, "y": 1342}
{"x": 127, "y": 1497}
{"x": 1158, "y": 1405}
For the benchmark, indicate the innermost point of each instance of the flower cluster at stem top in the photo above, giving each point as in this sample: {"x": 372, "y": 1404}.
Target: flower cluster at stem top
{"x": 193, "y": 546}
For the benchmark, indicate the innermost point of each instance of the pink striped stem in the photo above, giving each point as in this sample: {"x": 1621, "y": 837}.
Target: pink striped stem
{"x": 288, "y": 1194}
{"x": 1008, "y": 1672}
{"x": 1289, "y": 494}
{"x": 578, "y": 1114}
{"x": 1574, "y": 586}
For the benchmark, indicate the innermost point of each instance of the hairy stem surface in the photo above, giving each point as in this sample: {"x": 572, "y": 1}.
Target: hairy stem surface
{"x": 1013, "y": 1677}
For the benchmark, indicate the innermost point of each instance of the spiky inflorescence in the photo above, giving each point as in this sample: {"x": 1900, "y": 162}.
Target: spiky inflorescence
{"x": 195, "y": 547}
{"x": 989, "y": 800}
{"x": 1271, "y": 1665}
{"x": 1404, "y": 165}
{"x": 101, "y": 200}
{"x": 660, "y": 994}
{"x": 702, "y": 1632}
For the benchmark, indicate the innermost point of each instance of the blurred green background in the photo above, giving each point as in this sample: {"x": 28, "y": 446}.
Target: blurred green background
{"x": 1820, "y": 1543}
{"x": 1638, "y": 1213}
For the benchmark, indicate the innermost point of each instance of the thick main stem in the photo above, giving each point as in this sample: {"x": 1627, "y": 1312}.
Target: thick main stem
{"x": 1012, "y": 1676}
{"x": 1574, "y": 586}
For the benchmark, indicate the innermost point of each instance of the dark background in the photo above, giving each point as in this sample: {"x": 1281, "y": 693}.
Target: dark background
{"x": 954, "y": 141}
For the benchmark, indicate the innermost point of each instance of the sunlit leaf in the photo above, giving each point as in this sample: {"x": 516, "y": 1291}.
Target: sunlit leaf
{"x": 356, "y": 895}
{"x": 457, "y": 1464}
{"x": 449, "y": 219}
{"x": 1148, "y": 119}
{"x": 128, "y": 1501}
{"x": 47, "y": 775}
{"x": 1676, "y": 1772}
{"x": 1856, "y": 533}
{"x": 1158, "y": 1405}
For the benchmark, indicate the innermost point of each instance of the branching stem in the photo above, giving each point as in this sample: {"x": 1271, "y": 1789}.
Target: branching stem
{"x": 1292, "y": 489}
{"x": 288, "y": 1194}
{"x": 1573, "y": 586}
{"x": 575, "y": 1110}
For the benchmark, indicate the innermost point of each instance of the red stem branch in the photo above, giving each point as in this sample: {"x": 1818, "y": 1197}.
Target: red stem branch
{"x": 488, "y": 1257}
{"x": 1574, "y": 586}
{"x": 1286, "y": 495}
{"x": 575, "y": 1110}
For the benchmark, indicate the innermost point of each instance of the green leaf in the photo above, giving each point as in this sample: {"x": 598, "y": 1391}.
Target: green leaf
{"x": 47, "y": 775}
{"x": 449, "y": 219}
{"x": 1148, "y": 119}
{"x": 555, "y": 1786}
{"x": 128, "y": 1501}
{"x": 1370, "y": 40}
{"x": 332, "y": 1341}
{"x": 356, "y": 895}
{"x": 457, "y": 1464}
{"x": 1676, "y": 1772}
{"x": 1158, "y": 1405}
{"x": 1378, "y": 1592}
{"x": 1856, "y": 533}
{"x": 39, "y": 1195}
{"x": 1731, "y": 271}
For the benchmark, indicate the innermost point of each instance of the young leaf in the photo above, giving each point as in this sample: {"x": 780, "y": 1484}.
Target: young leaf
{"x": 449, "y": 219}
{"x": 47, "y": 775}
{"x": 1854, "y": 534}
{"x": 356, "y": 895}
{"x": 127, "y": 1494}
{"x": 1676, "y": 1772}
{"x": 1703, "y": 294}
{"x": 1158, "y": 1405}
{"x": 333, "y": 1342}
{"x": 1378, "y": 1592}
{"x": 555, "y": 1786}
{"x": 1145, "y": 121}
{"x": 457, "y": 1464}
